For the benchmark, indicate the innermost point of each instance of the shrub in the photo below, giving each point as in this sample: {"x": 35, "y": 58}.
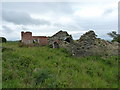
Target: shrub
{"x": 6, "y": 49}
{"x": 41, "y": 76}
{"x": 2, "y": 40}
{"x": 115, "y": 36}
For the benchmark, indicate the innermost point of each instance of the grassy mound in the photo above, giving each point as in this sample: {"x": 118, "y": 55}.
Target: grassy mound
{"x": 44, "y": 67}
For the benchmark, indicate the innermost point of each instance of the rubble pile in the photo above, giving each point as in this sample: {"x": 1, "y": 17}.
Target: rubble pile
{"x": 89, "y": 45}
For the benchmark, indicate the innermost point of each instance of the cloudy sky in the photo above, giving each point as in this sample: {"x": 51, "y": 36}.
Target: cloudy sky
{"x": 47, "y": 18}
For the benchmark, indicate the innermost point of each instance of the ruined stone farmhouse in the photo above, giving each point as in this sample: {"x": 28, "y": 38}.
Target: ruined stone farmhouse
{"x": 27, "y": 38}
{"x": 87, "y": 45}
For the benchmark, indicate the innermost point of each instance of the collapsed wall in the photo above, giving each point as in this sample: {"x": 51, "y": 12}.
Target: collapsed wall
{"x": 58, "y": 38}
{"x": 89, "y": 45}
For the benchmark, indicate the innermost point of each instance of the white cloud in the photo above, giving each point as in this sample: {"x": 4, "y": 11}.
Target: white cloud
{"x": 65, "y": 19}
{"x": 75, "y": 18}
{"x": 89, "y": 12}
{"x": 82, "y": 1}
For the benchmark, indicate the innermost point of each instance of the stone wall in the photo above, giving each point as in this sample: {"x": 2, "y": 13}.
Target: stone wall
{"x": 59, "y": 38}
{"x": 89, "y": 45}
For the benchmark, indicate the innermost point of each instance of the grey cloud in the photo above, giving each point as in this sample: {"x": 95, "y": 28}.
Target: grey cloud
{"x": 6, "y": 29}
{"x": 71, "y": 27}
{"x": 16, "y": 16}
{"x": 60, "y": 7}
{"x": 41, "y": 7}
{"x": 97, "y": 23}
{"x": 21, "y": 18}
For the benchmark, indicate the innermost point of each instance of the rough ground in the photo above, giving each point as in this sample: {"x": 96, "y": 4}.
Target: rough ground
{"x": 44, "y": 67}
{"x": 89, "y": 45}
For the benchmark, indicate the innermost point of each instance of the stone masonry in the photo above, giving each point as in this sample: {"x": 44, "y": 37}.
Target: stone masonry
{"x": 87, "y": 45}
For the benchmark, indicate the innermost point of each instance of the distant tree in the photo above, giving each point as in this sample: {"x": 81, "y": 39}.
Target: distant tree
{"x": 2, "y": 40}
{"x": 115, "y": 36}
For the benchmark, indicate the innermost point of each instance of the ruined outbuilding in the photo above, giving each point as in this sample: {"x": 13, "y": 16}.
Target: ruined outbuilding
{"x": 57, "y": 39}
{"x": 27, "y": 39}
{"x": 54, "y": 41}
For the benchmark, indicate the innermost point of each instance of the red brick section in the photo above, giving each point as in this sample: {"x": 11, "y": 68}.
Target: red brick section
{"x": 26, "y": 35}
{"x": 42, "y": 40}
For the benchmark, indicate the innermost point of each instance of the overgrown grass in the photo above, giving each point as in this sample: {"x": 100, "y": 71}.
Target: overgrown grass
{"x": 44, "y": 67}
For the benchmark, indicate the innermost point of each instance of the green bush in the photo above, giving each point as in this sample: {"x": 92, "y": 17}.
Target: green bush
{"x": 115, "y": 36}
{"x": 42, "y": 75}
{"x": 2, "y": 40}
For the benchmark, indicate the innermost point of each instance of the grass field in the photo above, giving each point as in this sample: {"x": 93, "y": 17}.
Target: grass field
{"x": 44, "y": 67}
